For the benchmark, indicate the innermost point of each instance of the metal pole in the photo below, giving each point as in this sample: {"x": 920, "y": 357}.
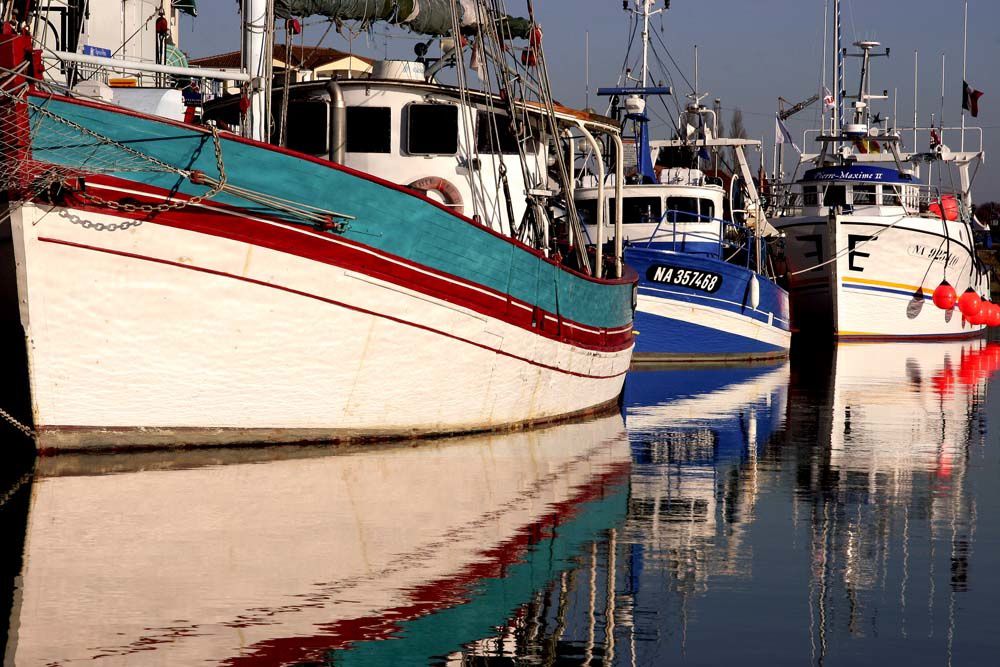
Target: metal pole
{"x": 256, "y": 63}
{"x": 645, "y": 39}
{"x": 941, "y": 117}
{"x": 586, "y": 66}
{"x": 135, "y": 66}
{"x": 836, "y": 67}
{"x": 826, "y": 27}
{"x": 915, "y": 117}
{"x": 696, "y": 72}
{"x": 965, "y": 54}
{"x": 601, "y": 201}
{"x": 619, "y": 204}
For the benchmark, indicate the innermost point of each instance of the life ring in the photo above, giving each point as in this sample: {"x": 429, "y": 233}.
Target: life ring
{"x": 449, "y": 193}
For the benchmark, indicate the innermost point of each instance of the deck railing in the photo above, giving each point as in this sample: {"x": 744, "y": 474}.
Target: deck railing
{"x": 733, "y": 237}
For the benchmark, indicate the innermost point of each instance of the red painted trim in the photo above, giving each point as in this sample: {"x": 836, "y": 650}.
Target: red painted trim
{"x": 432, "y": 596}
{"x": 218, "y": 220}
{"x": 324, "y": 300}
{"x": 624, "y": 280}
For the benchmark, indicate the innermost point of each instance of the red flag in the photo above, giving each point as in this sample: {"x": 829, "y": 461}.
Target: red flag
{"x": 935, "y": 138}
{"x": 970, "y": 99}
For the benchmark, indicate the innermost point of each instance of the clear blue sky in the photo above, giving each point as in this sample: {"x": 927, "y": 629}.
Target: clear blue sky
{"x": 750, "y": 52}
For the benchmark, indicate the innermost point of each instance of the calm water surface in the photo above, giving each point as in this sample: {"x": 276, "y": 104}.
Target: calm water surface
{"x": 843, "y": 509}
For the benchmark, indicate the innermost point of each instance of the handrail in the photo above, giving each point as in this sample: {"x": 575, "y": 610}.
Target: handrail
{"x": 720, "y": 240}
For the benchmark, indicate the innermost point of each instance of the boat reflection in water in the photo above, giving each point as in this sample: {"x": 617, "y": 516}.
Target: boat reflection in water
{"x": 822, "y": 511}
{"x": 285, "y": 561}
{"x": 886, "y": 497}
{"x": 695, "y": 435}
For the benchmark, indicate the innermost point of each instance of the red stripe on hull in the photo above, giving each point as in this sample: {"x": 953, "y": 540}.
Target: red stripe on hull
{"x": 330, "y": 165}
{"x": 432, "y": 596}
{"x": 218, "y": 220}
{"x": 324, "y": 300}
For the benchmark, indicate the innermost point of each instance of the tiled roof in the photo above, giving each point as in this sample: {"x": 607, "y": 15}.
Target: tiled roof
{"x": 303, "y": 57}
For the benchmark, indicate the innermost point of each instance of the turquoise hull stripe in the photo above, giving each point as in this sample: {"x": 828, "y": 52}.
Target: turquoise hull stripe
{"x": 492, "y": 601}
{"x": 387, "y": 219}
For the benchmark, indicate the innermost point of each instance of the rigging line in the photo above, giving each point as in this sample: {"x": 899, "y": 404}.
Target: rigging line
{"x": 670, "y": 55}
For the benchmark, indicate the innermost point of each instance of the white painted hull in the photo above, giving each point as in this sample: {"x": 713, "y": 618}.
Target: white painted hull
{"x": 162, "y": 335}
{"x": 883, "y": 288}
{"x": 275, "y": 562}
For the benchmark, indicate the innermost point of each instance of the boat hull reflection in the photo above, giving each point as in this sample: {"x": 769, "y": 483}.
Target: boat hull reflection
{"x": 284, "y": 560}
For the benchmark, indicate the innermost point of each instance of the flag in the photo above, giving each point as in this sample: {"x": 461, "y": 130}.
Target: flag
{"x": 828, "y": 100}
{"x": 782, "y": 135}
{"x": 935, "y": 138}
{"x": 867, "y": 146}
{"x": 477, "y": 63}
{"x": 970, "y": 99}
{"x": 703, "y": 153}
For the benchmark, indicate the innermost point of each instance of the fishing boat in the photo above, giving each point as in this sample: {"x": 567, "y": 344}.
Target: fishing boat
{"x": 179, "y": 283}
{"x": 706, "y": 287}
{"x": 867, "y": 240}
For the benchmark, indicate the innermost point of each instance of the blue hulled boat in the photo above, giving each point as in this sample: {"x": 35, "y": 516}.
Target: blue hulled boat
{"x": 693, "y": 232}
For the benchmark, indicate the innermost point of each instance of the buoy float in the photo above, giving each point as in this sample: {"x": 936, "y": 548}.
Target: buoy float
{"x": 970, "y": 304}
{"x": 945, "y": 296}
{"x": 945, "y": 208}
{"x": 993, "y": 315}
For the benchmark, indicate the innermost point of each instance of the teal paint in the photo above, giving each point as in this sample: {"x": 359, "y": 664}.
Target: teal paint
{"x": 492, "y": 601}
{"x": 387, "y": 219}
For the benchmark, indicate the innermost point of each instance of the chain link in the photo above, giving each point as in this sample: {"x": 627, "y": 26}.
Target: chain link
{"x": 13, "y": 421}
{"x": 172, "y": 205}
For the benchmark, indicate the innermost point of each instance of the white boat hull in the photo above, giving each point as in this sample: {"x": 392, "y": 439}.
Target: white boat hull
{"x": 163, "y": 335}
{"x": 873, "y": 276}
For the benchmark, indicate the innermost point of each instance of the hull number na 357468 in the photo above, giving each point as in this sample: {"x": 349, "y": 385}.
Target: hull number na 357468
{"x": 706, "y": 281}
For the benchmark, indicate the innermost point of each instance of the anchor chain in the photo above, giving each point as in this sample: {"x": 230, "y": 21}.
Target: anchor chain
{"x": 195, "y": 176}
{"x": 13, "y": 421}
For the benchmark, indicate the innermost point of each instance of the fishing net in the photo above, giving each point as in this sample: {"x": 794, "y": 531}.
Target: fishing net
{"x": 40, "y": 149}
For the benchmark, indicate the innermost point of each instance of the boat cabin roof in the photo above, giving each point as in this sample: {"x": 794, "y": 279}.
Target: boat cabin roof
{"x": 856, "y": 174}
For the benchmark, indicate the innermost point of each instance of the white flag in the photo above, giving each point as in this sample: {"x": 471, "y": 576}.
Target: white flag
{"x": 782, "y": 135}
{"x": 477, "y": 62}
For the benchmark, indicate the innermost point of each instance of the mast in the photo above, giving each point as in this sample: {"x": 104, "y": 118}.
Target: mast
{"x": 826, "y": 21}
{"x": 646, "y": 4}
{"x": 837, "y": 68}
{"x": 965, "y": 56}
{"x": 256, "y": 61}
{"x": 915, "y": 118}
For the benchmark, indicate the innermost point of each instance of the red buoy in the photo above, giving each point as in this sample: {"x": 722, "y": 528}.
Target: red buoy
{"x": 970, "y": 304}
{"x": 945, "y": 296}
{"x": 993, "y": 315}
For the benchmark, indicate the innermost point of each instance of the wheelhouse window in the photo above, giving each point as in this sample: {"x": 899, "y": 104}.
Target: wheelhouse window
{"x": 835, "y": 195}
{"x": 432, "y": 129}
{"x": 689, "y": 209}
{"x": 369, "y": 130}
{"x": 494, "y": 134}
{"x": 891, "y": 196}
{"x": 809, "y": 196}
{"x": 637, "y": 210}
{"x": 864, "y": 195}
{"x": 307, "y": 129}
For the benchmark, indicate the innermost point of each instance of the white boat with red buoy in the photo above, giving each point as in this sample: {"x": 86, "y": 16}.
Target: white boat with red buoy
{"x": 871, "y": 244}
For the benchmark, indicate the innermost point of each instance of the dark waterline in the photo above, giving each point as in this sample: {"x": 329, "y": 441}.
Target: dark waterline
{"x": 838, "y": 510}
